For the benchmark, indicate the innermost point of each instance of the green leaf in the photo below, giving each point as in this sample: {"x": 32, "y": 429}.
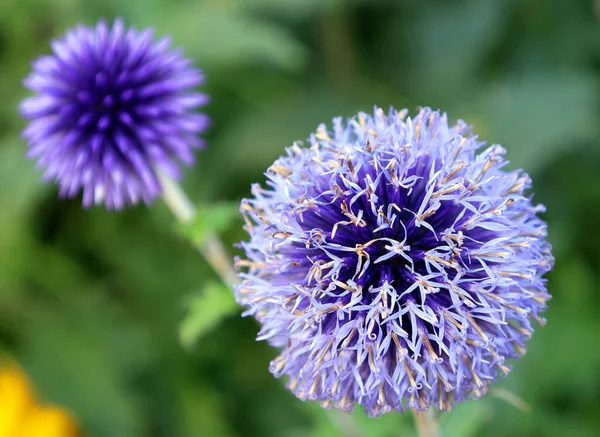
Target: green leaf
{"x": 220, "y": 36}
{"x": 206, "y": 311}
{"x": 293, "y": 8}
{"x": 210, "y": 219}
{"x": 538, "y": 115}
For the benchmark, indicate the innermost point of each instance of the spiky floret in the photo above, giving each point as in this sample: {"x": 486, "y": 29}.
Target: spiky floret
{"x": 394, "y": 262}
{"x": 111, "y": 108}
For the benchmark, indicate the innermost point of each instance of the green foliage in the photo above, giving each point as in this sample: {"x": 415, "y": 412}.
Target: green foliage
{"x": 467, "y": 419}
{"x": 117, "y": 317}
{"x": 207, "y": 310}
{"x": 82, "y": 356}
{"x": 235, "y": 39}
{"x": 292, "y": 8}
{"x": 215, "y": 218}
{"x": 518, "y": 110}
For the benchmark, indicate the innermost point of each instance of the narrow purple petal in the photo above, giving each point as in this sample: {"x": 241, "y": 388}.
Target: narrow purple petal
{"x": 394, "y": 263}
{"x": 103, "y": 103}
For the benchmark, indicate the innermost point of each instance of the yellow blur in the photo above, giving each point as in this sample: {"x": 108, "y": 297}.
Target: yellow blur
{"x": 22, "y": 416}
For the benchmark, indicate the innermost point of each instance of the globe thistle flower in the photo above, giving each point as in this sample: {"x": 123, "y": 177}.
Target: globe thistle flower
{"x": 111, "y": 109}
{"x": 395, "y": 263}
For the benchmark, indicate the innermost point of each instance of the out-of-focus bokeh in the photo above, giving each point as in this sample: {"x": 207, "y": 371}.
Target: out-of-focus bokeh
{"x": 91, "y": 302}
{"x": 22, "y": 415}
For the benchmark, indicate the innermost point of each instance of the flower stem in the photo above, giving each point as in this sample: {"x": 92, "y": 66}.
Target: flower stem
{"x": 212, "y": 248}
{"x": 427, "y": 424}
{"x": 215, "y": 254}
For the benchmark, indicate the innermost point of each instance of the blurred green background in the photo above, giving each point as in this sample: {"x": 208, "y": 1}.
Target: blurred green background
{"x": 91, "y": 303}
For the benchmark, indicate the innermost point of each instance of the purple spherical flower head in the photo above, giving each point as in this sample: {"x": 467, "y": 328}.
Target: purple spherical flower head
{"x": 112, "y": 108}
{"x": 395, "y": 263}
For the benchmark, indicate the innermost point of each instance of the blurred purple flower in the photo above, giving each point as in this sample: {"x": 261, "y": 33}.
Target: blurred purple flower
{"x": 111, "y": 109}
{"x": 395, "y": 263}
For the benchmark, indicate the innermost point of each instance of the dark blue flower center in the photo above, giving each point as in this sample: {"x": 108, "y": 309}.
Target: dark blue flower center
{"x": 103, "y": 102}
{"x": 356, "y": 226}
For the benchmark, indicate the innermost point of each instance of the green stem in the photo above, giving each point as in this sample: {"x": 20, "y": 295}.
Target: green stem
{"x": 427, "y": 424}
{"x": 212, "y": 248}
{"x": 215, "y": 254}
